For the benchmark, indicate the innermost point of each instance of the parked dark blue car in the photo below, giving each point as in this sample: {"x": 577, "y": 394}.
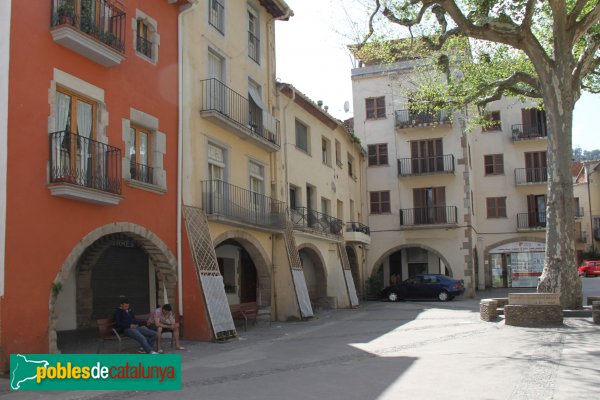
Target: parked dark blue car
{"x": 425, "y": 286}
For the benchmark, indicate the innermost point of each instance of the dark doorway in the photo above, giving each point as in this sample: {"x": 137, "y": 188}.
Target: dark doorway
{"x": 120, "y": 271}
{"x": 248, "y": 278}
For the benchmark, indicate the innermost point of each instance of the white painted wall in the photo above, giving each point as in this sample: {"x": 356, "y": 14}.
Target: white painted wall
{"x": 5, "y": 15}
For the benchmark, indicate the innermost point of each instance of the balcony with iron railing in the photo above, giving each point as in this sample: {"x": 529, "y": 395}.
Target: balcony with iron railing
{"x": 579, "y": 212}
{"x": 426, "y": 165}
{"x": 235, "y": 112}
{"x": 531, "y": 176}
{"x": 216, "y": 16}
{"x": 241, "y": 207}
{"x": 428, "y": 216}
{"x": 531, "y": 221}
{"x": 315, "y": 222}
{"x": 357, "y": 232}
{"x": 93, "y": 28}
{"x": 84, "y": 169}
{"x": 529, "y": 131}
{"x": 143, "y": 46}
{"x": 141, "y": 172}
{"x": 412, "y": 119}
{"x": 581, "y": 237}
{"x": 253, "y": 47}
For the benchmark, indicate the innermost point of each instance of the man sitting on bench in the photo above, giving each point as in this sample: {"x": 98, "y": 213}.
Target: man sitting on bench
{"x": 163, "y": 320}
{"x": 126, "y": 323}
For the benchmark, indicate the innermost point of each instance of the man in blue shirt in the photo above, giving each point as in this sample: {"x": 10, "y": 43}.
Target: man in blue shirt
{"x": 126, "y": 323}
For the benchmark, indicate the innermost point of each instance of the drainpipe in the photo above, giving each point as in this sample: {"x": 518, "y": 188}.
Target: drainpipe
{"x": 5, "y": 19}
{"x": 184, "y": 10}
{"x": 587, "y": 179}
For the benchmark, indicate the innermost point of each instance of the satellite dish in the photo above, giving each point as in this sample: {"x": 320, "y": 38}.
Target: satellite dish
{"x": 346, "y": 106}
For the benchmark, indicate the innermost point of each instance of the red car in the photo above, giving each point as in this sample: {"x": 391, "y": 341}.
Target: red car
{"x": 590, "y": 268}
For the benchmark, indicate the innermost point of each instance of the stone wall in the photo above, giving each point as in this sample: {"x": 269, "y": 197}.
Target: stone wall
{"x": 533, "y": 315}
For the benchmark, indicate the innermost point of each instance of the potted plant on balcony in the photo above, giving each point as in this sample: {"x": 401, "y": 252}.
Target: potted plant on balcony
{"x": 110, "y": 39}
{"x": 65, "y": 12}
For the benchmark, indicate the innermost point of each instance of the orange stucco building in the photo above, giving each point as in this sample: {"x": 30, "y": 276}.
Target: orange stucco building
{"x": 88, "y": 165}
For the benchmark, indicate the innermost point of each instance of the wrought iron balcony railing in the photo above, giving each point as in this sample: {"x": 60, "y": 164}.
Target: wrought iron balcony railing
{"x": 357, "y": 227}
{"x": 529, "y": 131}
{"x": 217, "y": 97}
{"x": 144, "y": 46}
{"x": 223, "y": 199}
{"x": 215, "y": 16}
{"x": 410, "y": 118}
{"x": 527, "y": 176}
{"x": 428, "y": 215}
{"x": 426, "y": 165}
{"x": 531, "y": 220}
{"x": 84, "y": 162}
{"x": 254, "y": 47}
{"x": 99, "y": 19}
{"x": 303, "y": 217}
{"x": 141, "y": 172}
{"x": 578, "y": 212}
{"x": 581, "y": 237}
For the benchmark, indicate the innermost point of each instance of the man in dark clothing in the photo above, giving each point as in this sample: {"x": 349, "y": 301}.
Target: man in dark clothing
{"x": 126, "y": 323}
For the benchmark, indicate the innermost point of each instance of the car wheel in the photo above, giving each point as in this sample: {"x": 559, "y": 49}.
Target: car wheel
{"x": 443, "y": 296}
{"x": 393, "y": 296}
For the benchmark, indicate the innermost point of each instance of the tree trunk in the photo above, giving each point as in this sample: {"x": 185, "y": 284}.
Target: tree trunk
{"x": 560, "y": 266}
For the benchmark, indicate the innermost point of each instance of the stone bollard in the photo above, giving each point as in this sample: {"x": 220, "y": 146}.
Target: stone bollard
{"x": 596, "y": 312}
{"x": 488, "y": 310}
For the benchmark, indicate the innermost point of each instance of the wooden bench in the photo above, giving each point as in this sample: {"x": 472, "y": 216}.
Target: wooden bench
{"x": 245, "y": 311}
{"x": 108, "y": 332}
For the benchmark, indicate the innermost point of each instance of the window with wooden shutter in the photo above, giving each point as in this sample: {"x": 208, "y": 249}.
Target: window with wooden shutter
{"x": 494, "y": 164}
{"x": 380, "y": 202}
{"x": 375, "y": 107}
{"x": 496, "y": 207}
{"x": 378, "y": 154}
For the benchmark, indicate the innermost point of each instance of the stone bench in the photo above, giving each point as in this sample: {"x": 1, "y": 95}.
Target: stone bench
{"x": 533, "y": 310}
{"x": 596, "y": 312}
{"x": 591, "y": 299}
{"x": 488, "y": 310}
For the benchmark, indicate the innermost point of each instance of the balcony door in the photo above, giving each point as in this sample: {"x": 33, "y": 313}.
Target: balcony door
{"x": 536, "y": 210}
{"x": 73, "y": 149}
{"x": 217, "y": 94}
{"x": 535, "y": 166}
{"x": 429, "y": 205}
{"x": 427, "y": 156}
{"x": 257, "y": 189}
{"x": 534, "y": 122}
{"x": 216, "y": 179}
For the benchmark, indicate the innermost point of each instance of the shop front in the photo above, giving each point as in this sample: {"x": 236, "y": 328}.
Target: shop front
{"x": 517, "y": 264}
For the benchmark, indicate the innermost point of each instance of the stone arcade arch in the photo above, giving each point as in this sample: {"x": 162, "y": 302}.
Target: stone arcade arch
{"x": 373, "y": 268}
{"x": 487, "y": 252}
{"x": 315, "y": 274}
{"x": 259, "y": 256}
{"x": 90, "y": 247}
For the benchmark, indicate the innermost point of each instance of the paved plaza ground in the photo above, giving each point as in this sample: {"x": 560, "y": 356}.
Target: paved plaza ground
{"x": 382, "y": 350}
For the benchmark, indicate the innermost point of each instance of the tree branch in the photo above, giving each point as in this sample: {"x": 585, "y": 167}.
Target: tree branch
{"x": 577, "y": 8}
{"x": 509, "y": 84}
{"x": 587, "y": 60}
{"x": 579, "y": 28}
{"x": 526, "y": 25}
{"x": 371, "y": 29}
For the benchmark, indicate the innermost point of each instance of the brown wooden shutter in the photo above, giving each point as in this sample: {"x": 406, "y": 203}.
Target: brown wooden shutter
{"x": 419, "y": 206}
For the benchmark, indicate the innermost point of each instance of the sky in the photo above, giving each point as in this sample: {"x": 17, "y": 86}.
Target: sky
{"x": 312, "y": 56}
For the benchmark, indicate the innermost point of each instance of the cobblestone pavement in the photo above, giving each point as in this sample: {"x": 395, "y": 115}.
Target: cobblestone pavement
{"x": 413, "y": 350}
